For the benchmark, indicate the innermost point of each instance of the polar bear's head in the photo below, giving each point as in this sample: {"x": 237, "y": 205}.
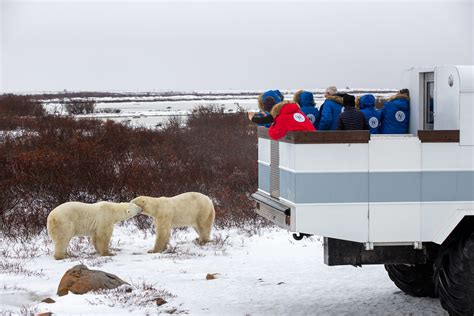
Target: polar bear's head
{"x": 140, "y": 201}
{"x": 133, "y": 209}
{"x": 147, "y": 203}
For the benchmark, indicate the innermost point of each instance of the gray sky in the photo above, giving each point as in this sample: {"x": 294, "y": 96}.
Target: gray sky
{"x": 125, "y": 45}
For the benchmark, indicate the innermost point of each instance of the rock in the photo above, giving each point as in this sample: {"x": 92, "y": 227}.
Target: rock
{"x": 44, "y": 314}
{"x": 80, "y": 280}
{"x": 48, "y": 300}
{"x": 159, "y": 301}
{"x": 212, "y": 276}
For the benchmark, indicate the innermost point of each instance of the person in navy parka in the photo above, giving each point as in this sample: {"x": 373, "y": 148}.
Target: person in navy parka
{"x": 305, "y": 100}
{"x": 372, "y": 115}
{"x": 395, "y": 115}
{"x": 329, "y": 110}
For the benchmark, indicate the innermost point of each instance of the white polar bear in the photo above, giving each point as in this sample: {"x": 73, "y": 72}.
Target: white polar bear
{"x": 81, "y": 219}
{"x": 188, "y": 209}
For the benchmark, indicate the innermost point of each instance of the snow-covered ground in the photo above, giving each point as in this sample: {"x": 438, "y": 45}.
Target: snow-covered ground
{"x": 267, "y": 273}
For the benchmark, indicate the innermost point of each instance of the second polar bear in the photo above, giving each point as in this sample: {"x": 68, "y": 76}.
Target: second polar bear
{"x": 188, "y": 209}
{"x": 82, "y": 219}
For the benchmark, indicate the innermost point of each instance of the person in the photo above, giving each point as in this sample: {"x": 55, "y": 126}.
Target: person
{"x": 329, "y": 110}
{"x": 305, "y": 100}
{"x": 287, "y": 117}
{"x": 266, "y": 101}
{"x": 351, "y": 118}
{"x": 371, "y": 114}
{"x": 395, "y": 116}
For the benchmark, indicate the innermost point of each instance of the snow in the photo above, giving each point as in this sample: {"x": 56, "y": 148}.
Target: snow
{"x": 262, "y": 273}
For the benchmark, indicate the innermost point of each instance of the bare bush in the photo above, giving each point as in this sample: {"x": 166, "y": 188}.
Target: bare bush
{"x": 18, "y": 268}
{"x": 79, "y": 106}
{"x": 18, "y": 105}
{"x": 62, "y": 159}
{"x": 108, "y": 110}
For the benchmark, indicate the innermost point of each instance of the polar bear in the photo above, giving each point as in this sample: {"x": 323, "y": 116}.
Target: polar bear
{"x": 187, "y": 209}
{"x": 82, "y": 219}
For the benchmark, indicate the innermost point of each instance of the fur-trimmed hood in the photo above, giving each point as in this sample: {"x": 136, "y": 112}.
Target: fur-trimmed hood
{"x": 260, "y": 102}
{"x": 278, "y": 108}
{"x": 275, "y": 94}
{"x": 398, "y": 96}
{"x": 336, "y": 99}
{"x": 304, "y": 98}
{"x": 296, "y": 97}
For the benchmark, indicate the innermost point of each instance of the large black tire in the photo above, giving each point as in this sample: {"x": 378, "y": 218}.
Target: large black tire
{"x": 415, "y": 280}
{"x": 454, "y": 276}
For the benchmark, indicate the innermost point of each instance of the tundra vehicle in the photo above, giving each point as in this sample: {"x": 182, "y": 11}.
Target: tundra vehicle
{"x": 405, "y": 201}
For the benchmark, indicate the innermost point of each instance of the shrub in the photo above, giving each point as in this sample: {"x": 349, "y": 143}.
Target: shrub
{"x": 74, "y": 106}
{"x": 61, "y": 159}
{"x": 16, "y": 105}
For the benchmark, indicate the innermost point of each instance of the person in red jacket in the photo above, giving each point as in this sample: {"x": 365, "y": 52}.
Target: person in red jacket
{"x": 287, "y": 117}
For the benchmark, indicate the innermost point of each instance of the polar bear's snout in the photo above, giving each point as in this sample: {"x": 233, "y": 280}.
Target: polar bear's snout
{"x": 134, "y": 209}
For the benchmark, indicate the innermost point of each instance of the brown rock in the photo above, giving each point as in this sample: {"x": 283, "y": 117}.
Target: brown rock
{"x": 48, "y": 300}
{"x": 80, "y": 280}
{"x": 159, "y": 301}
{"x": 44, "y": 314}
{"x": 212, "y": 276}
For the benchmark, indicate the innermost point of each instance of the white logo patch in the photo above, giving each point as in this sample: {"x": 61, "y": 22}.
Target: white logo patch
{"x": 400, "y": 116}
{"x": 373, "y": 122}
{"x": 311, "y": 118}
{"x": 299, "y": 117}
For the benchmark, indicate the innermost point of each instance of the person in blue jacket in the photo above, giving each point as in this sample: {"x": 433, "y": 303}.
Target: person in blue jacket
{"x": 266, "y": 101}
{"x": 395, "y": 116}
{"x": 305, "y": 100}
{"x": 329, "y": 110}
{"x": 372, "y": 115}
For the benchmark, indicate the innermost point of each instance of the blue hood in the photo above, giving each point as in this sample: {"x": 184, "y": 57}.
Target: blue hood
{"x": 306, "y": 99}
{"x": 367, "y": 101}
{"x": 401, "y": 103}
{"x": 275, "y": 94}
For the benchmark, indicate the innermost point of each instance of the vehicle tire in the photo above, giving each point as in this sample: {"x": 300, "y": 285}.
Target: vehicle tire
{"x": 415, "y": 280}
{"x": 454, "y": 276}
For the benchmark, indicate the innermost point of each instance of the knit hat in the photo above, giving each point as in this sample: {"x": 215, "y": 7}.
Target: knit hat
{"x": 349, "y": 100}
{"x": 332, "y": 90}
{"x": 404, "y": 91}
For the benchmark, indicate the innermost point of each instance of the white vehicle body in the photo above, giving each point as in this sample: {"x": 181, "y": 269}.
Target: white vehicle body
{"x": 384, "y": 190}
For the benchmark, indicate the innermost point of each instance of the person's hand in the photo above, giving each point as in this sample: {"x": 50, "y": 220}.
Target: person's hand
{"x": 250, "y": 115}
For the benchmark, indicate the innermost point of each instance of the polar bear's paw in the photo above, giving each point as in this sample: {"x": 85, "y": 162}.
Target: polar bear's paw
{"x": 201, "y": 242}
{"x": 153, "y": 251}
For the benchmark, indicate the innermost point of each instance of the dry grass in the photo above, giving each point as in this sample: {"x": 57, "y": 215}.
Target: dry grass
{"x": 139, "y": 294}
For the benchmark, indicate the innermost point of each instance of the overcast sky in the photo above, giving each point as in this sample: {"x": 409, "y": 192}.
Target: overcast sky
{"x": 145, "y": 45}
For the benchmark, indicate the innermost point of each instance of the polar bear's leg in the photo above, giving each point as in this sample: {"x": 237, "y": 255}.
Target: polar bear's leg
{"x": 102, "y": 240}
{"x": 204, "y": 232}
{"x": 204, "y": 228}
{"x": 163, "y": 232}
{"x": 94, "y": 242}
{"x": 60, "y": 247}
